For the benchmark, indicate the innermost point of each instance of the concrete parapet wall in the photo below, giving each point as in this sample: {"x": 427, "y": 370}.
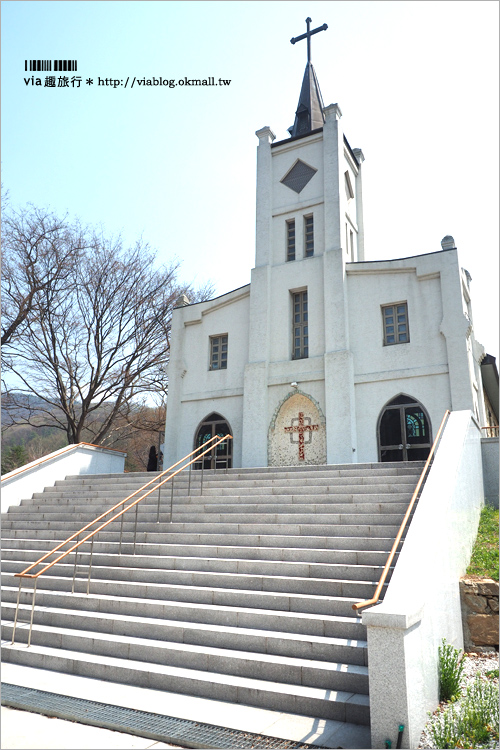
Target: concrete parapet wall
{"x": 45, "y": 472}
{"x": 422, "y": 603}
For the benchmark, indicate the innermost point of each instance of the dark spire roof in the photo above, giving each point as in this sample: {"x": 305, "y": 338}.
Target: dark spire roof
{"x": 309, "y": 114}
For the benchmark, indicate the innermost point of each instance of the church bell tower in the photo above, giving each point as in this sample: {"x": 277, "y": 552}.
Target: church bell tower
{"x": 309, "y": 224}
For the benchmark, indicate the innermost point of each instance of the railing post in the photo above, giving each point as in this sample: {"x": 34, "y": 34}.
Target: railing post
{"x": 74, "y": 570}
{"x": 172, "y": 500}
{"x": 135, "y": 526}
{"x": 202, "y": 465}
{"x": 17, "y": 610}
{"x": 158, "y": 508}
{"x": 32, "y": 612}
{"x": 90, "y": 564}
{"x": 121, "y": 531}
{"x": 189, "y": 480}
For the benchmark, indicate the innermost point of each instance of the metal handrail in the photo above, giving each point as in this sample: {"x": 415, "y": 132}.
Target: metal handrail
{"x": 375, "y": 598}
{"x": 493, "y": 427}
{"x": 157, "y": 485}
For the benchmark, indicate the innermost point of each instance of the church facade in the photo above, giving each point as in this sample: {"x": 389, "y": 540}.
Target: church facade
{"x": 325, "y": 357}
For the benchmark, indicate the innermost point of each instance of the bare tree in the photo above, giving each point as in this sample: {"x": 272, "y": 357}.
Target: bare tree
{"x": 38, "y": 252}
{"x": 95, "y": 341}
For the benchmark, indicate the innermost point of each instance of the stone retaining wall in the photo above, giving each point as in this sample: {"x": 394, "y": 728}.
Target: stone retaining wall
{"x": 479, "y": 601}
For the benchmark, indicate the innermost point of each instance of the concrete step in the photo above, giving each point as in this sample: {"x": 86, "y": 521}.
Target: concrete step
{"x": 290, "y": 541}
{"x": 79, "y": 519}
{"x": 299, "y": 473}
{"x": 320, "y": 604}
{"x": 284, "y": 487}
{"x": 333, "y": 704}
{"x": 339, "y": 492}
{"x": 256, "y": 640}
{"x": 209, "y": 503}
{"x": 353, "y": 529}
{"x": 14, "y": 560}
{"x": 210, "y": 659}
{"x": 268, "y": 620}
{"x": 213, "y": 579}
{"x": 181, "y": 506}
{"x": 32, "y": 549}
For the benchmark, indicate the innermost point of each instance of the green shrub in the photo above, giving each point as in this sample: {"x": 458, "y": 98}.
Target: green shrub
{"x": 451, "y": 666}
{"x": 471, "y": 724}
{"x": 480, "y": 712}
{"x": 446, "y": 729}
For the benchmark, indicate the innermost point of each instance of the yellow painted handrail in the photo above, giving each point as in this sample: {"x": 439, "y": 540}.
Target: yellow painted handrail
{"x": 375, "y": 598}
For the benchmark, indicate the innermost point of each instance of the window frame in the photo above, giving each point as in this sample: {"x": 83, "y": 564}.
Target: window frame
{"x": 348, "y": 186}
{"x": 220, "y": 340}
{"x": 307, "y": 238}
{"x": 395, "y": 323}
{"x": 290, "y": 225}
{"x": 300, "y": 328}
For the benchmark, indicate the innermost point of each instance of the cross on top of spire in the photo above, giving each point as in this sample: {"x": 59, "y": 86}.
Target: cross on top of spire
{"x": 308, "y": 36}
{"x": 309, "y": 113}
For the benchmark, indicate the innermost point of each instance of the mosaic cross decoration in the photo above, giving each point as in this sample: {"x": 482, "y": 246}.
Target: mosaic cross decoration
{"x": 299, "y": 426}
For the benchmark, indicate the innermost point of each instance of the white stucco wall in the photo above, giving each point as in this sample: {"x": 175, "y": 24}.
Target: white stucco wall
{"x": 430, "y": 286}
{"x": 194, "y": 390}
{"x": 21, "y": 483}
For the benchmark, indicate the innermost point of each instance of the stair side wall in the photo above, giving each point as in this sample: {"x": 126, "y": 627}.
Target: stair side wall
{"x": 422, "y": 604}
{"x": 78, "y": 459}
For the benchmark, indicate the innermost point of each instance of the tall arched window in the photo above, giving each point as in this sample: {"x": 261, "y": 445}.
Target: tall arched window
{"x": 404, "y": 431}
{"x": 221, "y": 456}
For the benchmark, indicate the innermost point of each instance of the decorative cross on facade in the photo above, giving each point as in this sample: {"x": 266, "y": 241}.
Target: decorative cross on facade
{"x": 308, "y": 36}
{"x": 301, "y": 428}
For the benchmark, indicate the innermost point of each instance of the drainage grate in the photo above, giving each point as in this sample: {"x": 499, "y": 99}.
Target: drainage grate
{"x": 155, "y": 726}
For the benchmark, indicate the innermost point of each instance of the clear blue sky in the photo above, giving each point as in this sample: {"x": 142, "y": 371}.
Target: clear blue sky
{"x": 417, "y": 83}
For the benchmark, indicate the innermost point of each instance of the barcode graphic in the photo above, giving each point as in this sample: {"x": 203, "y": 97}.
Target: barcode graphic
{"x": 41, "y": 65}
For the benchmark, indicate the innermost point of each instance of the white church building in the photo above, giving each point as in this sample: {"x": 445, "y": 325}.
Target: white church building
{"x": 327, "y": 356}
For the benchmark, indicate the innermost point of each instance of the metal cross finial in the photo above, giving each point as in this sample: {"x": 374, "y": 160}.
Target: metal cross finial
{"x": 308, "y": 36}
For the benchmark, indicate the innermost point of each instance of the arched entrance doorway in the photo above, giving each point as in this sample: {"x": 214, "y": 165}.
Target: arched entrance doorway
{"x": 404, "y": 431}
{"x": 221, "y": 456}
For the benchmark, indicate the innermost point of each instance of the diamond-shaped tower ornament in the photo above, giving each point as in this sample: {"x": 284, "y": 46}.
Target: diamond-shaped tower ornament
{"x": 299, "y": 175}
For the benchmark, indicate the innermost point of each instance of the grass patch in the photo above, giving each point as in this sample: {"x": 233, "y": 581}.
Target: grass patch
{"x": 484, "y": 560}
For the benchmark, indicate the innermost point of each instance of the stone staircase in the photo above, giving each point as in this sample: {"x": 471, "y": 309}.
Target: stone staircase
{"x": 245, "y": 596}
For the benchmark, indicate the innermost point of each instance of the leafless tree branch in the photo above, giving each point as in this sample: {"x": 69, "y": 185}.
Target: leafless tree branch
{"x": 87, "y": 327}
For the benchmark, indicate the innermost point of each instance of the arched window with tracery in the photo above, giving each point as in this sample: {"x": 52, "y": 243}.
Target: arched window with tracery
{"x": 404, "y": 430}
{"x": 221, "y": 456}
